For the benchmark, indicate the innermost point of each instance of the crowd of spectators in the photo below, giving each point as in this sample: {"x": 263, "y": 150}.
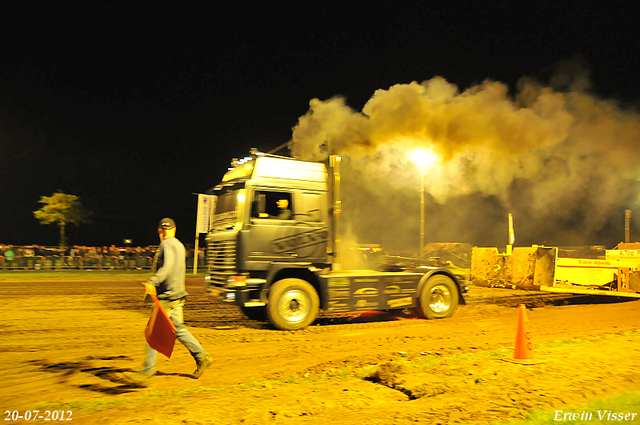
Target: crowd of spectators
{"x": 38, "y": 257}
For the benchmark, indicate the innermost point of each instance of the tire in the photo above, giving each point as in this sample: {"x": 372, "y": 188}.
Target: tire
{"x": 439, "y": 297}
{"x": 293, "y": 304}
{"x": 255, "y": 313}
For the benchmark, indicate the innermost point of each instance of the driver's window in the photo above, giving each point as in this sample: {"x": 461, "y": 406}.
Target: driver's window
{"x": 272, "y": 204}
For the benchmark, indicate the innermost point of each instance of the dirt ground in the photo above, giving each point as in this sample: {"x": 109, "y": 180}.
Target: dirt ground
{"x": 66, "y": 341}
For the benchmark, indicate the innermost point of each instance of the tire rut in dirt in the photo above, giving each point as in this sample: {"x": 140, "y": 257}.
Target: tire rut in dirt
{"x": 200, "y": 312}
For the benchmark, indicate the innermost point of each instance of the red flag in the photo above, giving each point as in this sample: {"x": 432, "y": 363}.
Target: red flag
{"x": 160, "y": 332}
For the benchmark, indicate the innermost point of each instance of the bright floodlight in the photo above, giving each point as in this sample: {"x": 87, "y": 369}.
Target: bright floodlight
{"x": 423, "y": 156}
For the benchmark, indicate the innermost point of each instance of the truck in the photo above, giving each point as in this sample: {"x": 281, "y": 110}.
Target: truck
{"x": 273, "y": 249}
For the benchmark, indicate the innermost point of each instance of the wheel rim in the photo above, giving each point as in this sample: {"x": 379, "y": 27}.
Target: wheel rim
{"x": 440, "y": 299}
{"x": 294, "y": 306}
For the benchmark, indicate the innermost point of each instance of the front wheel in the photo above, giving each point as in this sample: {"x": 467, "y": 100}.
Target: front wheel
{"x": 293, "y": 304}
{"x": 439, "y": 297}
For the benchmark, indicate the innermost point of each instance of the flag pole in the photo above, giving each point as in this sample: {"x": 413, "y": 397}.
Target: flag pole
{"x": 196, "y": 254}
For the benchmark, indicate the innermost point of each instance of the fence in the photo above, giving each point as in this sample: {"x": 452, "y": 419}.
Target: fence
{"x": 36, "y": 257}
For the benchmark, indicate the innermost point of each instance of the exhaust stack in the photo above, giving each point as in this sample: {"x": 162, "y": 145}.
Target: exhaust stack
{"x": 336, "y": 204}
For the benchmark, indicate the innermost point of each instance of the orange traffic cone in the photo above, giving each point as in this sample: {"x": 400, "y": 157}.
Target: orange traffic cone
{"x": 523, "y": 353}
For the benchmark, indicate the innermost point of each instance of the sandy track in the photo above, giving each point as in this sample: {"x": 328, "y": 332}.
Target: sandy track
{"x": 68, "y": 341}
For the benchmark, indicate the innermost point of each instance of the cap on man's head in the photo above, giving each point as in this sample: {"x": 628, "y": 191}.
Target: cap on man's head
{"x": 166, "y": 223}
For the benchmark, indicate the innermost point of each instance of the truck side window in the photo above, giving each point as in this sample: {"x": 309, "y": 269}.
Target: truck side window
{"x": 277, "y": 205}
{"x": 258, "y": 205}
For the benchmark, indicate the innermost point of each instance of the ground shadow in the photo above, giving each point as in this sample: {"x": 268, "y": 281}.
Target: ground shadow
{"x": 562, "y": 300}
{"x": 112, "y": 380}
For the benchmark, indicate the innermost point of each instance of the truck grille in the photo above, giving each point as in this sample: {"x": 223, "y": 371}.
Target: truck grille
{"x": 221, "y": 260}
{"x": 224, "y": 221}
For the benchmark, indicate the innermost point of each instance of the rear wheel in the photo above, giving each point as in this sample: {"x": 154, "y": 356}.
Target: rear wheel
{"x": 439, "y": 297}
{"x": 293, "y": 304}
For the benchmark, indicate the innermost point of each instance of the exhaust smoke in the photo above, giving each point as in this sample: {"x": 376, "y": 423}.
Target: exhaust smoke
{"x": 564, "y": 162}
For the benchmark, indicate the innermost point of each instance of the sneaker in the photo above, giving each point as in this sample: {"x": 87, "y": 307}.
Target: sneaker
{"x": 203, "y": 363}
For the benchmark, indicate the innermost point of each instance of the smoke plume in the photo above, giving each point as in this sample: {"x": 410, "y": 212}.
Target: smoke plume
{"x": 563, "y": 161}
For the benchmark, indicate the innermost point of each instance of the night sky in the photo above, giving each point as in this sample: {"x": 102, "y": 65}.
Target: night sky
{"x": 134, "y": 106}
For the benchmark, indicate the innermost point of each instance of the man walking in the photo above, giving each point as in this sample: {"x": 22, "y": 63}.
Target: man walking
{"x": 168, "y": 284}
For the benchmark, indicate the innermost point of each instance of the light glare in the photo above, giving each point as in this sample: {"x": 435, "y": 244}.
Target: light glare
{"x": 423, "y": 157}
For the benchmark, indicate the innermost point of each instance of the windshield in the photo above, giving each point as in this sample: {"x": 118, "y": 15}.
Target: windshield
{"x": 227, "y": 202}
{"x": 227, "y": 208}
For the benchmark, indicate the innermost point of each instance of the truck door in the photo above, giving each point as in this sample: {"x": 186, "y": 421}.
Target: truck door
{"x": 285, "y": 226}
